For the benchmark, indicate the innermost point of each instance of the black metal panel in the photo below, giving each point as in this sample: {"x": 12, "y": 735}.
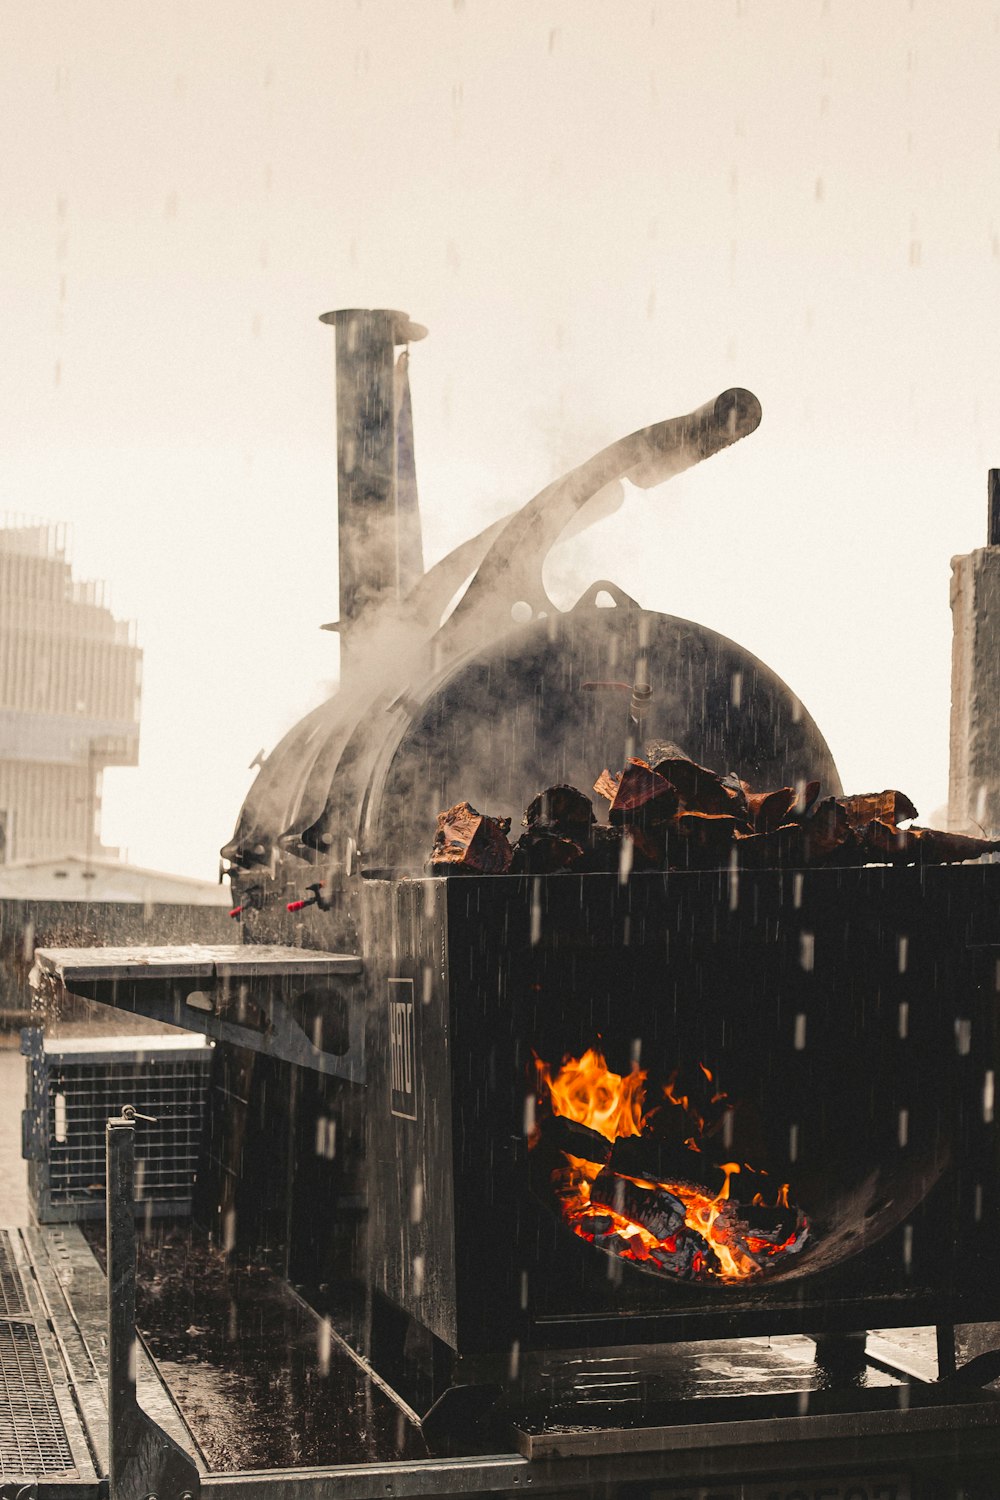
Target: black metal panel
{"x": 857, "y": 1006}
{"x": 410, "y": 1154}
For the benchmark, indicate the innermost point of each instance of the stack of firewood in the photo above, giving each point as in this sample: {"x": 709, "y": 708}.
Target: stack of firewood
{"x": 669, "y": 813}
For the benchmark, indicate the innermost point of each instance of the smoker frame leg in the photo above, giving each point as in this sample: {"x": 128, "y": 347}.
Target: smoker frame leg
{"x": 944, "y": 1335}
{"x": 841, "y": 1355}
{"x": 144, "y": 1462}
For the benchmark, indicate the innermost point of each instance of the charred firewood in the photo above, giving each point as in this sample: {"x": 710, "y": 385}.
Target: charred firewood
{"x": 614, "y": 1243}
{"x": 781, "y": 848}
{"x": 606, "y": 785}
{"x": 773, "y": 1226}
{"x": 560, "y": 810}
{"x": 604, "y": 850}
{"x": 699, "y": 789}
{"x": 739, "y": 807}
{"x": 597, "y": 1224}
{"x": 686, "y": 1255}
{"x": 471, "y": 843}
{"x": 701, "y": 840}
{"x": 657, "y": 1160}
{"x": 544, "y": 854}
{"x": 888, "y": 807}
{"x": 575, "y": 1139}
{"x": 654, "y": 1208}
{"x": 643, "y": 848}
{"x": 612, "y": 848}
{"x": 827, "y": 831}
{"x": 809, "y": 794}
{"x": 769, "y": 810}
{"x": 766, "y": 1245}
{"x": 908, "y": 846}
{"x": 557, "y": 832}
{"x": 642, "y": 797}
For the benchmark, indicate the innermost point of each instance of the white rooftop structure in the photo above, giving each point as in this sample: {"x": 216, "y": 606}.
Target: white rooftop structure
{"x": 76, "y": 878}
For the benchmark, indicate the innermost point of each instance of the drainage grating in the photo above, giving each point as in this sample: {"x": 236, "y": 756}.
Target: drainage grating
{"x": 12, "y": 1299}
{"x": 33, "y": 1439}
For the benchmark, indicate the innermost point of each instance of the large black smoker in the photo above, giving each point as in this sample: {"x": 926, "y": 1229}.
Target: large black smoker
{"x": 368, "y": 1128}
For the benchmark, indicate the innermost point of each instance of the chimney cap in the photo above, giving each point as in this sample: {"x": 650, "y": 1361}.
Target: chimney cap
{"x": 404, "y": 331}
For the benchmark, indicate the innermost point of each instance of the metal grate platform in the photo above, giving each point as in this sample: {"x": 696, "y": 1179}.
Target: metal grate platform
{"x": 13, "y": 1303}
{"x": 33, "y": 1440}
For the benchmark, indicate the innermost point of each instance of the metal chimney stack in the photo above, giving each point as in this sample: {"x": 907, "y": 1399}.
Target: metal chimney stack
{"x": 378, "y": 519}
{"x": 974, "y": 777}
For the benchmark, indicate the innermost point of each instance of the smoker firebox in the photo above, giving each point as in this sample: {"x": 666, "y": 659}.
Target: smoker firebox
{"x": 853, "y": 1011}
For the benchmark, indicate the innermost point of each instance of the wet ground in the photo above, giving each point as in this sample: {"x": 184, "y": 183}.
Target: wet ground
{"x": 261, "y": 1380}
{"x": 264, "y": 1382}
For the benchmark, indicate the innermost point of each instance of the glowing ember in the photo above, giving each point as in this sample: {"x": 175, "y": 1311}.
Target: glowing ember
{"x": 675, "y": 1228}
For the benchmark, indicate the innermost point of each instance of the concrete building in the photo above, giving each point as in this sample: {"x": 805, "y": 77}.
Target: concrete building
{"x": 69, "y": 699}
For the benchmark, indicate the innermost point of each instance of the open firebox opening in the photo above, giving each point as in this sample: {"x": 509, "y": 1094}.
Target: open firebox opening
{"x": 637, "y": 1173}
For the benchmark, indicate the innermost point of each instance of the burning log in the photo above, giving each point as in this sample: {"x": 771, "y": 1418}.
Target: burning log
{"x": 575, "y": 1139}
{"x": 469, "y": 842}
{"x": 687, "y": 1255}
{"x": 638, "y": 1195}
{"x": 655, "y": 1160}
{"x": 767, "y": 1233}
{"x": 654, "y": 1208}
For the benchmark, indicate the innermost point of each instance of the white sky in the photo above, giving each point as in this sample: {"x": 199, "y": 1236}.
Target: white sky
{"x": 606, "y": 213}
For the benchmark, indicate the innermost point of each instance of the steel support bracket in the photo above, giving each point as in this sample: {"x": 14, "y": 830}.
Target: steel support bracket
{"x": 247, "y": 995}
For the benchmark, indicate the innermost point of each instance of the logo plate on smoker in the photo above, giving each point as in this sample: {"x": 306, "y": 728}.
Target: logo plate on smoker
{"x": 402, "y": 1050}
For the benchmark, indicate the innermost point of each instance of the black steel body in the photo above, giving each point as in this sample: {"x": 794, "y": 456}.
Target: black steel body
{"x": 851, "y": 1011}
{"x": 877, "y": 1105}
{"x": 541, "y": 706}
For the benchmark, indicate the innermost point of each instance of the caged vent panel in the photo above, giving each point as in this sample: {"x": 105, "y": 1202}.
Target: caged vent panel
{"x": 75, "y": 1086}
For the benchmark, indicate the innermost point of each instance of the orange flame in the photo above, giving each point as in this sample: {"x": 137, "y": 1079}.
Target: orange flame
{"x": 586, "y": 1091}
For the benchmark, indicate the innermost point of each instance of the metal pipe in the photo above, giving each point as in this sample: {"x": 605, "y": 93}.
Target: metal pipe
{"x": 378, "y": 539}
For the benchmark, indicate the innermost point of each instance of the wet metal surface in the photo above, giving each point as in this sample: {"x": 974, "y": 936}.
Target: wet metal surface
{"x": 260, "y": 1379}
